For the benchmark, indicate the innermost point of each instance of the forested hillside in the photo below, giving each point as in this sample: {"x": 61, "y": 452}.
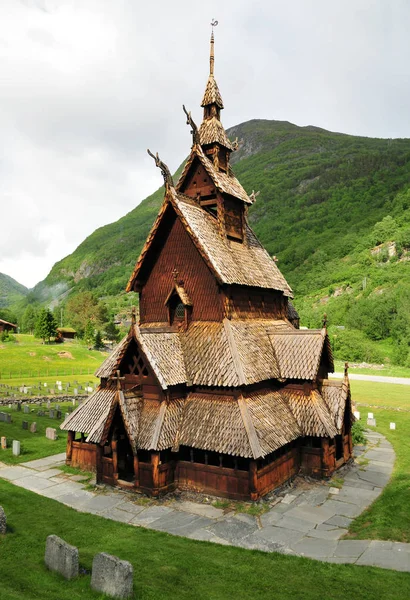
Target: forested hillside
{"x": 10, "y": 291}
{"x": 334, "y": 208}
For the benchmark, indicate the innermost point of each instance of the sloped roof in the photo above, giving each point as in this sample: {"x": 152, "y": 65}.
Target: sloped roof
{"x": 251, "y": 425}
{"x": 110, "y": 364}
{"x": 92, "y": 412}
{"x": 212, "y": 95}
{"x": 335, "y": 394}
{"x": 298, "y": 354}
{"x": 230, "y": 353}
{"x": 2, "y": 321}
{"x": 211, "y": 131}
{"x": 310, "y": 411}
{"x": 226, "y": 183}
{"x": 292, "y": 312}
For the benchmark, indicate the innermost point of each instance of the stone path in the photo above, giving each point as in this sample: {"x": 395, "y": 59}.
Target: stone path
{"x": 307, "y": 521}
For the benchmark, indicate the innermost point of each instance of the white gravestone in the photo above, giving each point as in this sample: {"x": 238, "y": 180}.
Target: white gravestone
{"x": 357, "y": 415}
{"x": 370, "y": 415}
{"x": 371, "y": 422}
{"x": 392, "y": 425}
{"x": 16, "y": 448}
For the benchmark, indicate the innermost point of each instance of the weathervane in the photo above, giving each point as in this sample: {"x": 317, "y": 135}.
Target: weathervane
{"x": 213, "y": 24}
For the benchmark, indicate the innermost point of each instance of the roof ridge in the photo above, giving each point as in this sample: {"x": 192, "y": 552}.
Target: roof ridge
{"x": 236, "y": 359}
{"x": 250, "y": 428}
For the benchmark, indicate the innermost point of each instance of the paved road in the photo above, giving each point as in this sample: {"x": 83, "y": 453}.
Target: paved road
{"x": 310, "y": 520}
{"x": 376, "y": 378}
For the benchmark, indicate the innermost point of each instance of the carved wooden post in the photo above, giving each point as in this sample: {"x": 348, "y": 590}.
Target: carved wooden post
{"x": 136, "y": 470}
{"x": 253, "y": 480}
{"x": 155, "y": 473}
{"x": 99, "y": 463}
{"x": 69, "y": 448}
{"x": 114, "y": 460}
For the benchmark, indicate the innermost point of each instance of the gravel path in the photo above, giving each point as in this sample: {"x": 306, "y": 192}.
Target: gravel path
{"x": 375, "y": 378}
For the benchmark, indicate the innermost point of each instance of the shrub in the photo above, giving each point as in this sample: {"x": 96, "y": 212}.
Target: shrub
{"x": 358, "y": 435}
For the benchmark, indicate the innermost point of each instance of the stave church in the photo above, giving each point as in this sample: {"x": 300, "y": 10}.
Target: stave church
{"x": 215, "y": 388}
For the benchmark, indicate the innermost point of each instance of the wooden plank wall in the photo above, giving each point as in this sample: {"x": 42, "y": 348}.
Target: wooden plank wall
{"x": 180, "y": 253}
{"x": 228, "y": 483}
{"x": 254, "y": 304}
{"x": 84, "y": 456}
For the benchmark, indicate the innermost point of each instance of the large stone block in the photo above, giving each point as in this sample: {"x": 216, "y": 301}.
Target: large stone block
{"x": 16, "y": 448}
{"x": 3, "y": 521}
{"x": 51, "y": 433}
{"x": 61, "y": 557}
{"x": 112, "y": 576}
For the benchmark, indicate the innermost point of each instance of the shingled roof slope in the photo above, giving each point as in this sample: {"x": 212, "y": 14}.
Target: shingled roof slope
{"x": 226, "y": 183}
{"x": 230, "y": 353}
{"x": 299, "y": 353}
{"x": 310, "y": 411}
{"x": 335, "y": 394}
{"x": 93, "y": 410}
{"x": 211, "y": 131}
{"x": 212, "y": 95}
{"x": 110, "y": 364}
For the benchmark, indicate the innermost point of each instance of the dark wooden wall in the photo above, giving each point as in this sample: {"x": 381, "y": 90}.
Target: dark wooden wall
{"x": 179, "y": 252}
{"x": 197, "y": 183}
{"x": 251, "y": 303}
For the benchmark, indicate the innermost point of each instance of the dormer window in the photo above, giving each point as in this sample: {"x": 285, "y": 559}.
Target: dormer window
{"x": 179, "y": 305}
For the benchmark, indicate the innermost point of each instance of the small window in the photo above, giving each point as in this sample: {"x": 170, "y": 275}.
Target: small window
{"x": 179, "y": 311}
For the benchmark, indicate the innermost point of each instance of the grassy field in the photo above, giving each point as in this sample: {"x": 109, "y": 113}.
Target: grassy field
{"x": 32, "y": 445}
{"x": 28, "y": 357}
{"x": 365, "y": 393}
{"x": 386, "y": 370}
{"x": 167, "y": 567}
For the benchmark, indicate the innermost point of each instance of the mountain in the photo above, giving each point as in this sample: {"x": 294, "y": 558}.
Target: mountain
{"x": 10, "y": 291}
{"x": 320, "y": 193}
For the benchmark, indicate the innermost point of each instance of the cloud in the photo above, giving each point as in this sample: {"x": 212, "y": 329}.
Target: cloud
{"x": 87, "y": 86}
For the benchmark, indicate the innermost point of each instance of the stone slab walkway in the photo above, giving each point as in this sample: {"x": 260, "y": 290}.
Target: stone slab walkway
{"x": 307, "y": 521}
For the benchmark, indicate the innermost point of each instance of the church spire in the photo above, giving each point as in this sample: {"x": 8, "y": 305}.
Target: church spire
{"x": 212, "y": 53}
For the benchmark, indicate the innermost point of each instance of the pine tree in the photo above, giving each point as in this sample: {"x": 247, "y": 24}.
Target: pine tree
{"x": 89, "y": 334}
{"x": 112, "y": 332}
{"x": 29, "y": 319}
{"x": 46, "y": 326}
{"x": 98, "y": 341}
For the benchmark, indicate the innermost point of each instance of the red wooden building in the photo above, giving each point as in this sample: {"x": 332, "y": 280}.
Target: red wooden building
{"x": 215, "y": 389}
{"x": 6, "y": 326}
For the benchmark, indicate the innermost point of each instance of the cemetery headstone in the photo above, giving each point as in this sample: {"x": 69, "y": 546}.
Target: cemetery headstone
{"x": 51, "y": 433}
{"x": 52, "y": 414}
{"x": 18, "y": 405}
{"x": 392, "y": 425}
{"x": 66, "y": 415}
{"x": 48, "y": 405}
{"x": 371, "y": 422}
{"x": 57, "y": 407}
{"x": 25, "y": 424}
{"x": 26, "y": 409}
{"x": 33, "y": 427}
{"x": 61, "y": 557}
{"x": 3, "y": 521}
{"x": 58, "y": 414}
{"x": 2, "y": 416}
{"x": 52, "y": 391}
{"x": 370, "y": 415}
{"x": 112, "y": 576}
{"x": 3, "y": 442}
{"x": 8, "y": 418}
{"x": 357, "y": 414}
{"x": 16, "y": 448}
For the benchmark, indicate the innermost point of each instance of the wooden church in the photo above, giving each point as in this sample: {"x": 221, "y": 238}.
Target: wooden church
{"x": 215, "y": 389}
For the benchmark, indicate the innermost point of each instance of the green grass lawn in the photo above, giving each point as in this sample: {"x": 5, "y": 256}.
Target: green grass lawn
{"x": 28, "y": 357}
{"x": 387, "y": 370}
{"x": 388, "y": 518}
{"x": 369, "y": 393}
{"x": 33, "y": 445}
{"x": 167, "y": 567}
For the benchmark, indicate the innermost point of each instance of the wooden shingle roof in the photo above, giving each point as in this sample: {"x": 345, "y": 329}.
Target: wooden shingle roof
{"x": 230, "y": 353}
{"x": 251, "y": 425}
{"x": 212, "y": 95}
{"x": 211, "y": 131}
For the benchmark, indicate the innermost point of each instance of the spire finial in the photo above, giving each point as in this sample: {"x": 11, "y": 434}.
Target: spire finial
{"x": 212, "y": 56}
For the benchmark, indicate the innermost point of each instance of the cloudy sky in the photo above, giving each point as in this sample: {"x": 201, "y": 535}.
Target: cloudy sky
{"x": 86, "y": 86}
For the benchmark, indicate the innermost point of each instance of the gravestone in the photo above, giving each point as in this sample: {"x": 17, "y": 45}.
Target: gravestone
{"x": 57, "y": 407}
{"x": 3, "y": 443}
{"x": 370, "y": 415}
{"x": 26, "y": 409}
{"x": 18, "y": 405}
{"x": 16, "y": 448}
{"x": 3, "y": 521}
{"x": 33, "y": 427}
{"x": 40, "y": 413}
{"x": 58, "y": 414}
{"x": 2, "y": 417}
{"x": 52, "y": 414}
{"x": 75, "y": 394}
{"x": 8, "y": 418}
{"x": 51, "y": 433}
{"x": 357, "y": 415}
{"x": 10, "y": 405}
{"x": 61, "y": 557}
{"x": 112, "y": 576}
{"x": 392, "y": 425}
{"x": 371, "y": 422}
{"x": 48, "y": 404}
{"x": 25, "y": 424}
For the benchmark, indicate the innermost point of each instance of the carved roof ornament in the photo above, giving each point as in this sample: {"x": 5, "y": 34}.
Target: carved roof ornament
{"x": 133, "y": 315}
{"x": 346, "y": 369}
{"x": 194, "y": 128}
{"x": 253, "y": 196}
{"x": 324, "y": 321}
{"x": 166, "y": 174}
